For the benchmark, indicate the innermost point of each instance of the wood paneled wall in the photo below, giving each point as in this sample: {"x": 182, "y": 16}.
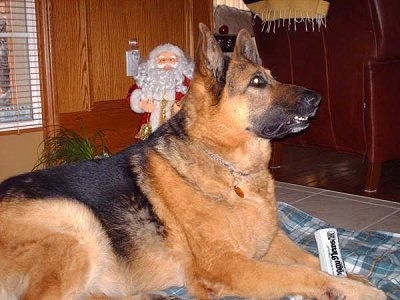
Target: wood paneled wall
{"x": 83, "y": 46}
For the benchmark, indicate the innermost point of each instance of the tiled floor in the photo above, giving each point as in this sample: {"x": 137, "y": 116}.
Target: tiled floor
{"x": 342, "y": 210}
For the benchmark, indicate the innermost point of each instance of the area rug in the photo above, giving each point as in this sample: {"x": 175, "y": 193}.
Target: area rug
{"x": 372, "y": 254}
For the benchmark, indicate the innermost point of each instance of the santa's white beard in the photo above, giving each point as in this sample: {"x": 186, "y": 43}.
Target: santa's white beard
{"x": 158, "y": 84}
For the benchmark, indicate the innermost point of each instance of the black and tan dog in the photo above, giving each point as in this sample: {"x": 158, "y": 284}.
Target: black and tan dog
{"x": 193, "y": 205}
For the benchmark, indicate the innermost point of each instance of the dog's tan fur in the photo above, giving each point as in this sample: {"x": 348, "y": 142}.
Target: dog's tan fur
{"x": 216, "y": 242}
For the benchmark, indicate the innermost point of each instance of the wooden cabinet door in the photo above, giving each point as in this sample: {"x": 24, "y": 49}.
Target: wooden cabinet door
{"x": 84, "y": 56}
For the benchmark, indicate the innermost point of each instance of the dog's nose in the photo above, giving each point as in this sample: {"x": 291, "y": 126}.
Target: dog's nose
{"x": 311, "y": 98}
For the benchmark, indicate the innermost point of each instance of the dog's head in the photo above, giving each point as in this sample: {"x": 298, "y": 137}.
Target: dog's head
{"x": 238, "y": 88}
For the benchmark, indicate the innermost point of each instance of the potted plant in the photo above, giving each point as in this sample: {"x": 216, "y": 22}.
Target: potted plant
{"x": 67, "y": 146}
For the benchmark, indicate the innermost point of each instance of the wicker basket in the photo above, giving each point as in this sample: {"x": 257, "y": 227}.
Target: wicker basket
{"x": 226, "y": 41}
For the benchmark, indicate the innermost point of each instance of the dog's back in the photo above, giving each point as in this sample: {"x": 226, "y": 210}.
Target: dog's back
{"x": 85, "y": 181}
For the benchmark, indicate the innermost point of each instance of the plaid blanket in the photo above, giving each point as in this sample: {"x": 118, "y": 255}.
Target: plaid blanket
{"x": 375, "y": 254}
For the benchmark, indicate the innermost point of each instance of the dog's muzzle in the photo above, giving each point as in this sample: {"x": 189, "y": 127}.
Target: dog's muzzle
{"x": 289, "y": 116}
{"x": 307, "y": 107}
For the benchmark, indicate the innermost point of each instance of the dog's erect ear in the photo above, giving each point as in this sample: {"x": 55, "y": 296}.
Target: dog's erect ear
{"x": 246, "y": 47}
{"x": 210, "y": 58}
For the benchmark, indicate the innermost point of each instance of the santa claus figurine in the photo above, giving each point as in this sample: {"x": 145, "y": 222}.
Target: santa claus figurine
{"x": 161, "y": 83}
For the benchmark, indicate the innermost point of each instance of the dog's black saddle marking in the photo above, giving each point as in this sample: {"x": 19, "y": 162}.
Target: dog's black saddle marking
{"x": 107, "y": 186}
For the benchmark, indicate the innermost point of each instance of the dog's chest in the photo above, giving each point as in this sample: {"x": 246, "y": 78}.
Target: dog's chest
{"x": 250, "y": 229}
{"x": 204, "y": 210}
{"x": 244, "y": 227}
{"x": 244, "y": 221}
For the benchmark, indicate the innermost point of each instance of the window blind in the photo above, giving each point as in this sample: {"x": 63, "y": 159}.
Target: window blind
{"x": 20, "y": 93}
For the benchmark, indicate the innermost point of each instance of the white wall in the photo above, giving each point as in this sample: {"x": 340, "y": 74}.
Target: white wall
{"x": 18, "y": 153}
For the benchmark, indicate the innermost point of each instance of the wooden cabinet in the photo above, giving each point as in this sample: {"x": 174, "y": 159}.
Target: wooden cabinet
{"x": 83, "y": 46}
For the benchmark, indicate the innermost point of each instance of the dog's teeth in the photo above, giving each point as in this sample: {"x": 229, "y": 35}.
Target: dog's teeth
{"x": 299, "y": 118}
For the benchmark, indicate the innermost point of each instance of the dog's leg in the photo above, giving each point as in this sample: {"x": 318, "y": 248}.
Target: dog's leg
{"x": 245, "y": 277}
{"x": 285, "y": 251}
{"x": 52, "y": 267}
{"x": 53, "y": 250}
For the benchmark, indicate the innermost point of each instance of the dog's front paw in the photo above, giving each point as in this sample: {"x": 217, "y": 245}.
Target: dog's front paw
{"x": 359, "y": 278}
{"x": 346, "y": 289}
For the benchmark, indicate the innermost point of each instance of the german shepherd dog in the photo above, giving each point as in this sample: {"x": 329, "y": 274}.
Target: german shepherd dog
{"x": 192, "y": 205}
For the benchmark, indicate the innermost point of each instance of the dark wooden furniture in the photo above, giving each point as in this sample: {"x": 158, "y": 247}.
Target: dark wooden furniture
{"x": 354, "y": 63}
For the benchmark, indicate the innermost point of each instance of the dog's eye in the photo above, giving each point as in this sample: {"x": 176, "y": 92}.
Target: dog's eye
{"x": 258, "y": 81}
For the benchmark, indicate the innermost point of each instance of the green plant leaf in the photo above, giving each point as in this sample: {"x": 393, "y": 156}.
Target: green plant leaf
{"x": 68, "y": 146}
